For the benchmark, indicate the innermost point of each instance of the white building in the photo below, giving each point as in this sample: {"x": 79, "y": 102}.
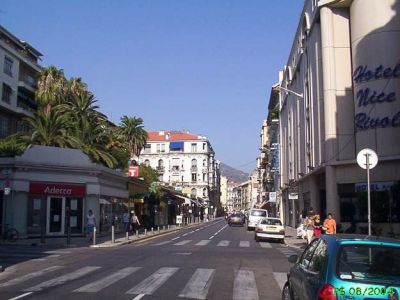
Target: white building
{"x": 340, "y": 94}
{"x": 186, "y": 162}
{"x": 224, "y": 193}
{"x": 18, "y": 69}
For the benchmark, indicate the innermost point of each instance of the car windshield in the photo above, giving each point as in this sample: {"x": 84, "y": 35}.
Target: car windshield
{"x": 258, "y": 213}
{"x": 369, "y": 263}
{"x": 271, "y": 222}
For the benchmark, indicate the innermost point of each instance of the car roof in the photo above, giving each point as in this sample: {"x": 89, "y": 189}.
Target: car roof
{"x": 339, "y": 238}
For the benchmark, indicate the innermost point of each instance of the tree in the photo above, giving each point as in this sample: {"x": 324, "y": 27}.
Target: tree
{"x": 51, "y": 88}
{"x": 11, "y": 146}
{"x": 131, "y": 131}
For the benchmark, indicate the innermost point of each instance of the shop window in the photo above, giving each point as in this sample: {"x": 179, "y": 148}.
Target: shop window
{"x": 36, "y": 215}
{"x": 75, "y": 206}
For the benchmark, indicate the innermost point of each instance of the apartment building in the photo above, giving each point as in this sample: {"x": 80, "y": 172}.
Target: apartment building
{"x": 18, "y": 69}
{"x": 186, "y": 162}
{"x": 224, "y": 193}
{"x": 339, "y": 93}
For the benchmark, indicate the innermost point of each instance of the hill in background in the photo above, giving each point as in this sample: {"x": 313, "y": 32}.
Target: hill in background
{"x": 233, "y": 174}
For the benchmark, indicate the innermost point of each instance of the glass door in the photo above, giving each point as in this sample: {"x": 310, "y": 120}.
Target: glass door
{"x": 55, "y": 215}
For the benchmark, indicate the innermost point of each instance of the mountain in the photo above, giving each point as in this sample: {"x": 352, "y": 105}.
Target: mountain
{"x": 233, "y": 174}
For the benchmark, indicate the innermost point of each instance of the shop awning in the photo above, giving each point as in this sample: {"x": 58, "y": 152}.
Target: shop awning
{"x": 176, "y": 145}
{"x": 189, "y": 201}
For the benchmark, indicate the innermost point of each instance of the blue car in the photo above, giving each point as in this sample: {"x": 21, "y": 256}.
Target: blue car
{"x": 351, "y": 267}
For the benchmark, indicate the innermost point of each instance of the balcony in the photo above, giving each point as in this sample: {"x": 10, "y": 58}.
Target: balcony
{"x": 27, "y": 82}
{"x": 193, "y": 168}
{"x": 160, "y": 169}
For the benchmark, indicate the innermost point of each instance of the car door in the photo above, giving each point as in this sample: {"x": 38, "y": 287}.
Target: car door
{"x": 314, "y": 271}
{"x": 298, "y": 275}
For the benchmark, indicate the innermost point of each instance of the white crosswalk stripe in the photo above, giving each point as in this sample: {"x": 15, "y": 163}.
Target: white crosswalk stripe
{"x": 223, "y": 243}
{"x": 244, "y": 286}
{"x": 198, "y": 285}
{"x": 203, "y": 242}
{"x": 184, "y": 242}
{"x": 107, "y": 281}
{"x": 62, "y": 279}
{"x": 162, "y": 243}
{"x": 29, "y": 276}
{"x": 244, "y": 244}
{"x": 153, "y": 282}
{"x": 265, "y": 245}
{"x": 280, "y": 278}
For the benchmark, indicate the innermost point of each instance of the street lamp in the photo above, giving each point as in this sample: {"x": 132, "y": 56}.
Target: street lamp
{"x": 289, "y": 91}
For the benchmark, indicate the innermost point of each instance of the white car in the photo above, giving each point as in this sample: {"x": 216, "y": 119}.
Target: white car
{"x": 270, "y": 228}
{"x": 255, "y": 215}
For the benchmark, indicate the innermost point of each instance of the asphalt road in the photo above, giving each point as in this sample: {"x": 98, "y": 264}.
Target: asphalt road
{"x": 210, "y": 261}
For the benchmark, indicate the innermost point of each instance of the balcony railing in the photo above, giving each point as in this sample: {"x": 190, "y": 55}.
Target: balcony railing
{"x": 193, "y": 168}
{"x": 160, "y": 169}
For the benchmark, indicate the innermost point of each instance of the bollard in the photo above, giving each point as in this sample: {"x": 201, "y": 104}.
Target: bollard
{"x": 168, "y": 227}
{"x": 158, "y": 229}
{"x": 152, "y": 230}
{"x": 112, "y": 234}
{"x": 163, "y": 228}
{"x": 145, "y": 231}
{"x": 127, "y": 235}
{"x": 94, "y": 235}
{"x": 137, "y": 233}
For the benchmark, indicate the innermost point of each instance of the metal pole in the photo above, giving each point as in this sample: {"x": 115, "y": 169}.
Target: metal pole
{"x": 137, "y": 233}
{"x": 94, "y": 235}
{"x": 369, "y": 196}
{"x": 145, "y": 231}
{"x": 152, "y": 230}
{"x": 158, "y": 229}
{"x": 127, "y": 235}
{"x": 112, "y": 234}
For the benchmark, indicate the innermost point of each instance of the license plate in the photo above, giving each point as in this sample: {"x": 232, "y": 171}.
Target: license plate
{"x": 271, "y": 227}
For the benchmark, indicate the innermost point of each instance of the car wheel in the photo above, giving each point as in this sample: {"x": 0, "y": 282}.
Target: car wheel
{"x": 282, "y": 241}
{"x": 286, "y": 292}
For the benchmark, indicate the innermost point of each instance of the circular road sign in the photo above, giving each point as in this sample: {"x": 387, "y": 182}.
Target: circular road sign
{"x": 362, "y": 158}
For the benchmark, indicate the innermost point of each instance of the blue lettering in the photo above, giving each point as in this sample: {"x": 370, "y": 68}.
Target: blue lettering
{"x": 396, "y": 71}
{"x": 391, "y": 97}
{"x": 387, "y": 73}
{"x": 380, "y": 98}
{"x": 359, "y": 73}
{"x": 378, "y": 72}
{"x": 396, "y": 120}
{"x": 385, "y": 122}
{"x": 359, "y": 121}
{"x": 362, "y": 73}
{"x": 362, "y": 96}
{"x": 363, "y": 122}
{"x": 365, "y": 98}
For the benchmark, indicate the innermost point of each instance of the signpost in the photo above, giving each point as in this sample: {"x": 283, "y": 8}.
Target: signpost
{"x": 367, "y": 159}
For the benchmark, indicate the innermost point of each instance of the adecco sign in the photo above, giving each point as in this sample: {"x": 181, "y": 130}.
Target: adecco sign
{"x": 57, "y": 189}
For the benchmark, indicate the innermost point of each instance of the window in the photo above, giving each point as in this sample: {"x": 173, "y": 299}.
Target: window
{"x": 194, "y": 164}
{"x": 176, "y": 146}
{"x": 318, "y": 259}
{"x": 193, "y": 193}
{"x": 147, "y": 163}
{"x": 160, "y": 177}
{"x": 147, "y": 149}
{"x": 194, "y": 177}
{"x": 204, "y": 192}
{"x": 7, "y": 92}
{"x": 163, "y": 148}
{"x": 204, "y": 163}
{"x": 160, "y": 163}
{"x": 194, "y": 147}
{"x": 308, "y": 253}
{"x": 204, "y": 146}
{"x": 8, "y": 63}
{"x": 4, "y": 126}
{"x": 158, "y": 148}
{"x": 182, "y": 179}
{"x": 204, "y": 177}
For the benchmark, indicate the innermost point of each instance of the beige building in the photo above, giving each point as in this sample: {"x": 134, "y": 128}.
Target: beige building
{"x": 224, "y": 193}
{"x": 339, "y": 94}
{"x": 18, "y": 69}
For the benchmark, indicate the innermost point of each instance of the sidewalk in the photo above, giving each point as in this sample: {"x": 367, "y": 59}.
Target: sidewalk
{"x": 291, "y": 239}
{"x": 103, "y": 241}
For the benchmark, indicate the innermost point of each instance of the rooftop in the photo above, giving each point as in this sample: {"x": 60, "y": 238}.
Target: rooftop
{"x": 172, "y": 135}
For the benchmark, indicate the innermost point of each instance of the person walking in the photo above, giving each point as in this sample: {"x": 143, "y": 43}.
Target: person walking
{"x": 90, "y": 224}
{"x": 125, "y": 219}
{"x": 309, "y": 223}
{"x": 317, "y": 226}
{"x": 134, "y": 222}
{"x": 330, "y": 224}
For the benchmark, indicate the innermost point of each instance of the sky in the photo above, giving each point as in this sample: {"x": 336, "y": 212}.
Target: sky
{"x": 206, "y": 66}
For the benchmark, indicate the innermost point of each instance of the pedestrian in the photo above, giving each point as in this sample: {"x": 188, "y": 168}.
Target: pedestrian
{"x": 330, "y": 224}
{"x": 309, "y": 223}
{"x": 125, "y": 219}
{"x": 90, "y": 224}
{"x": 317, "y": 226}
{"x": 134, "y": 222}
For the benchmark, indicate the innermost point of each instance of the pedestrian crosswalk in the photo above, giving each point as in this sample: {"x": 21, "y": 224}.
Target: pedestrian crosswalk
{"x": 286, "y": 251}
{"x": 221, "y": 243}
{"x": 196, "y": 287}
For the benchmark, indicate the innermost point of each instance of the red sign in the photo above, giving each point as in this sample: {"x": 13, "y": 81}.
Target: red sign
{"x": 57, "y": 189}
{"x": 133, "y": 171}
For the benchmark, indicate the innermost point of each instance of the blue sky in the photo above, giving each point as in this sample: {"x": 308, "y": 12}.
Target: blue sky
{"x": 206, "y": 66}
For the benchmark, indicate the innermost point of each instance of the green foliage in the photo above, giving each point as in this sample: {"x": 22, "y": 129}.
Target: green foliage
{"x": 12, "y": 146}
{"x": 148, "y": 174}
{"x": 132, "y": 133}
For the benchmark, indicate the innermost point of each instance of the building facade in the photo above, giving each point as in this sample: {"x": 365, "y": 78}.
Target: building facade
{"x": 339, "y": 94}
{"x": 18, "y": 70}
{"x": 224, "y": 193}
{"x": 186, "y": 162}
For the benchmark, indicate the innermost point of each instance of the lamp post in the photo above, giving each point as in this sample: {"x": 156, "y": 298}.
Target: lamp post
{"x": 290, "y": 91}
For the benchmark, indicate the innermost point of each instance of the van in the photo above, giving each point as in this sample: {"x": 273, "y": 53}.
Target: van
{"x": 255, "y": 215}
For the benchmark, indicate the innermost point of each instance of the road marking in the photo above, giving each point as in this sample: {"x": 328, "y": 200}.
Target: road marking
{"x": 153, "y": 282}
{"x": 162, "y": 243}
{"x": 223, "y": 243}
{"x": 138, "y": 297}
{"x": 21, "y": 296}
{"x": 218, "y": 231}
{"x": 265, "y": 245}
{"x": 184, "y": 242}
{"x": 53, "y": 256}
{"x": 280, "y": 278}
{"x": 203, "y": 242}
{"x": 175, "y": 238}
{"x": 211, "y": 237}
{"x": 29, "y": 276}
{"x": 244, "y": 244}
{"x": 244, "y": 286}
{"x": 185, "y": 234}
{"x": 182, "y": 253}
{"x": 58, "y": 252}
{"x": 107, "y": 281}
{"x": 62, "y": 279}
{"x": 198, "y": 285}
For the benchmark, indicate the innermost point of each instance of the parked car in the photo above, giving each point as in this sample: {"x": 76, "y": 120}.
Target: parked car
{"x": 255, "y": 215}
{"x": 345, "y": 267}
{"x": 236, "y": 219}
{"x": 269, "y": 228}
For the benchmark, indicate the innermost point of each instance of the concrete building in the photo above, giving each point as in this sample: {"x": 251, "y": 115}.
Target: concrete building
{"x": 231, "y": 196}
{"x": 186, "y": 162}
{"x": 18, "y": 70}
{"x": 224, "y": 193}
{"x": 339, "y": 94}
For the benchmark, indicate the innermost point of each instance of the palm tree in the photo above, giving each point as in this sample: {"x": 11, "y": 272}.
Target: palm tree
{"x": 51, "y": 87}
{"x": 131, "y": 131}
{"x": 76, "y": 87}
